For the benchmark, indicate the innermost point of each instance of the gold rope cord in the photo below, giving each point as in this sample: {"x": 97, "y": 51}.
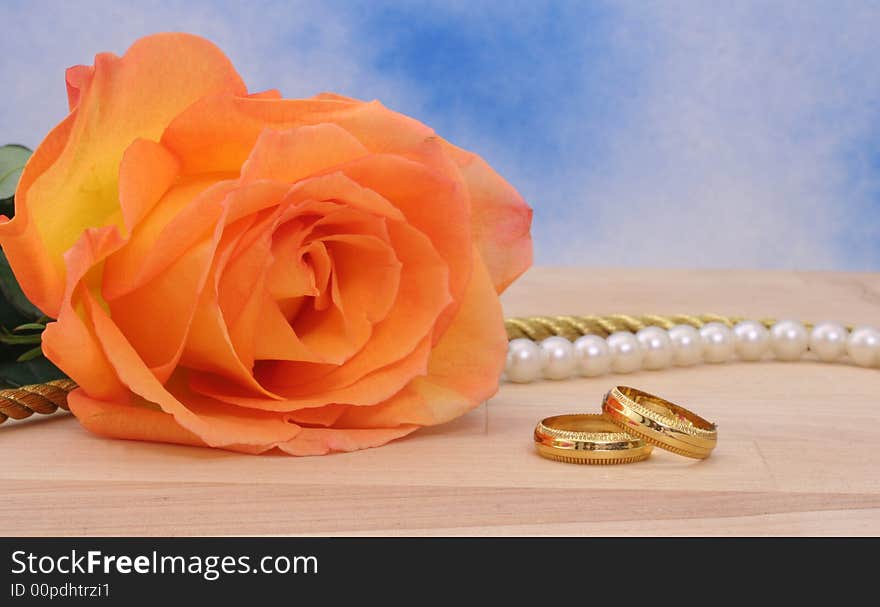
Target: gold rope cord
{"x": 541, "y": 327}
{"x": 19, "y": 403}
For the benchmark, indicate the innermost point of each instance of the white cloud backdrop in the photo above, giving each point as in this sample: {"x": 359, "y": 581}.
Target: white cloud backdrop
{"x": 741, "y": 134}
{"x": 298, "y": 47}
{"x": 748, "y": 143}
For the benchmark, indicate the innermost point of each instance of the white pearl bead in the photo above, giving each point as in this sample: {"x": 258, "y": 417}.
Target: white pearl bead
{"x": 789, "y": 339}
{"x": 523, "y": 361}
{"x": 717, "y": 342}
{"x": 557, "y": 357}
{"x": 752, "y": 339}
{"x": 863, "y": 346}
{"x": 828, "y": 341}
{"x": 687, "y": 347}
{"x": 656, "y": 347}
{"x": 625, "y": 352}
{"x": 593, "y": 355}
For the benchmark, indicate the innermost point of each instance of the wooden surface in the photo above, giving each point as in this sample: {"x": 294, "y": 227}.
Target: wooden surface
{"x": 799, "y": 445}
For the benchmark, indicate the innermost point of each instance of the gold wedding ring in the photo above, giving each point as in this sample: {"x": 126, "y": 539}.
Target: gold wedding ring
{"x": 587, "y": 438}
{"x": 660, "y": 422}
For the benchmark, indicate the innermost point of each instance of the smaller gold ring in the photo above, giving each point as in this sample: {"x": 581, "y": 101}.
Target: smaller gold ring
{"x": 587, "y": 438}
{"x": 660, "y": 422}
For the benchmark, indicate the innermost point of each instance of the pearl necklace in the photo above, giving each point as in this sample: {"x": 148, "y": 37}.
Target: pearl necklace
{"x": 654, "y": 347}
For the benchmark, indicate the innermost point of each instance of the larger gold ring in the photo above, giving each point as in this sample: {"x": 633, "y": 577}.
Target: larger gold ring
{"x": 660, "y": 422}
{"x": 587, "y": 438}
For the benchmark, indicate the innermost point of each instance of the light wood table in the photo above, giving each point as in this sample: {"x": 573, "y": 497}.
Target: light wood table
{"x": 799, "y": 448}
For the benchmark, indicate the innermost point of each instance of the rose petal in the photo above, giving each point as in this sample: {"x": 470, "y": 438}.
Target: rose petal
{"x": 291, "y": 155}
{"x": 367, "y": 271}
{"x": 187, "y": 214}
{"x": 376, "y": 386}
{"x": 422, "y": 295}
{"x": 57, "y": 200}
{"x": 336, "y": 97}
{"x": 433, "y": 201}
{"x": 157, "y": 278}
{"x": 146, "y": 172}
{"x": 127, "y": 421}
{"x": 210, "y": 345}
{"x": 319, "y": 332}
{"x": 276, "y": 339}
{"x": 267, "y": 94}
{"x": 216, "y": 423}
{"x": 78, "y": 78}
{"x": 143, "y": 422}
{"x": 397, "y": 351}
{"x": 324, "y": 416}
{"x": 463, "y": 369}
{"x": 321, "y": 441}
{"x": 218, "y": 132}
{"x": 334, "y": 331}
{"x": 338, "y": 188}
{"x": 70, "y": 342}
{"x": 500, "y": 219}
{"x": 39, "y": 280}
{"x": 156, "y": 317}
{"x": 244, "y": 287}
{"x": 322, "y": 266}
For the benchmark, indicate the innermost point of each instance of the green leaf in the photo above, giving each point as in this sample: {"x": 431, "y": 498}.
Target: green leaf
{"x": 8, "y": 338}
{"x": 13, "y": 294}
{"x": 30, "y": 354}
{"x": 35, "y": 371}
{"x": 12, "y": 160}
{"x": 29, "y": 326}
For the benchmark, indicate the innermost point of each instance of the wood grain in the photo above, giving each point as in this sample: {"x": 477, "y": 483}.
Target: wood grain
{"x": 798, "y": 451}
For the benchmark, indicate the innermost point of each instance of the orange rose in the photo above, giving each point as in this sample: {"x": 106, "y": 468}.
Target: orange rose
{"x": 250, "y": 272}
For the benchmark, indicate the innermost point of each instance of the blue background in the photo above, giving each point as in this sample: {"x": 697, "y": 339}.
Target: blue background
{"x": 691, "y": 134}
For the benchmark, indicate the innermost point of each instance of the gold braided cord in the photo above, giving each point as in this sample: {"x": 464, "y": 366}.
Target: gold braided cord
{"x": 19, "y": 403}
{"x": 571, "y": 327}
